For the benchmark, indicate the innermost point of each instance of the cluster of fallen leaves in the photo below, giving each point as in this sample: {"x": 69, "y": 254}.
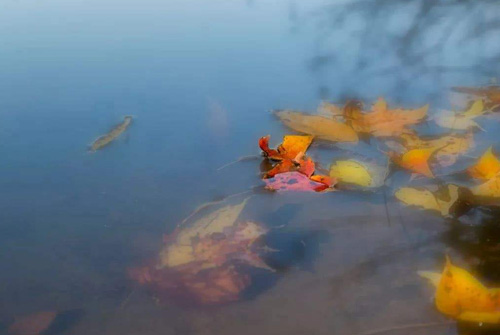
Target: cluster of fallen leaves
{"x": 210, "y": 261}
{"x": 459, "y": 295}
{"x": 207, "y": 262}
{"x": 292, "y": 170}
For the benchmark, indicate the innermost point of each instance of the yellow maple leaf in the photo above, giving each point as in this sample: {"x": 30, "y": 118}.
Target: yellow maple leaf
{"x": 440, "y": 201}
{"x": 461, "y": 296}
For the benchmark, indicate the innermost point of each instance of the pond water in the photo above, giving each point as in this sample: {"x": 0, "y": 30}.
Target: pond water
{"x": 200, "y": 78}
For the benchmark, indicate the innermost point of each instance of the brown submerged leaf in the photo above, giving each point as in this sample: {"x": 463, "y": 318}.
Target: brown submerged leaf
{"x": 205, "y": 262}
{"x": 32, "y": 324}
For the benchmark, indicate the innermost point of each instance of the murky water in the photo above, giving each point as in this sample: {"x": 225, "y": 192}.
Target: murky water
{"x": 199, "y": 78}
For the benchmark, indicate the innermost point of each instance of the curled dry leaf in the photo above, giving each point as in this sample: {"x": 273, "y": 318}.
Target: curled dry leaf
{"x": 359, "y": 173}
{"x": 292, "y": 146}
{"x": 290, "y": 155}
{"x": 321, "y": 127}
{"x": 461, "y": 296}
{"x": 307, "y": 167}
{"x": 440, "y": 201}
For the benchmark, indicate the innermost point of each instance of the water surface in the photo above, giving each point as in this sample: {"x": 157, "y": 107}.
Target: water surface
{"x": 200, "y": 78}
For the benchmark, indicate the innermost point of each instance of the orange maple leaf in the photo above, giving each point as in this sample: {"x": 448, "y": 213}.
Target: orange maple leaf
{"x": 382, "y": 121}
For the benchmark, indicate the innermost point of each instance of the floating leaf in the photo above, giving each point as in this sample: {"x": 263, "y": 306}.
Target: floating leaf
{"x": 358, "y": 173}
{"x": 461, "y": 296}
{"x": 290, "y": 155}
{"x": 268, "y": 152}
{"x": 453, "y": 120}
{"x": 490, "y": 93}
{"x": 294, "y": 181}
{"x": 415, "y": 160}
{"x": 438, "y": 201}
{"x": 329, "y": 110}
{"x": 382, "y": 121}
{"x": 294, "y": 145}
{"x": 104, "y": 140}
{"x": 32, "y": 324}
{"x": 447, "y": 147}
{"x": 476, "y": 109}
{"x": 328, "y": 181}
{"x": 181, "y": 252}
{"x": 487, "y": 167}
{"x": 490, "y": 188}
{"x": 205, "y": 263}
{"x": 307, "y": 167}
{"x": 285, "y": 165}
{"x": 319, "y": 126}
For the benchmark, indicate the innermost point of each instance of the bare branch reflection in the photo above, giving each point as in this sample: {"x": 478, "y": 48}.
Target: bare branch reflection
{"x": 424, "y": 44}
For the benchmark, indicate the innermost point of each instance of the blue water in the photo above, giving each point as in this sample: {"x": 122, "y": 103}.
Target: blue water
{"x": 200, "y": 77}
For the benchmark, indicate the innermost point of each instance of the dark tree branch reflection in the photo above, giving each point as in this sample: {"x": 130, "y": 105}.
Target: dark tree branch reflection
{"x": 405, "y": 45}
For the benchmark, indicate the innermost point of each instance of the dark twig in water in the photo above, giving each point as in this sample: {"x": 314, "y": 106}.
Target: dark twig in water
{"x": 241, "y": 159}
{"x": 127, "y": 299}
{"x": 405, "y": 327}
{"x": 211, "y": 203}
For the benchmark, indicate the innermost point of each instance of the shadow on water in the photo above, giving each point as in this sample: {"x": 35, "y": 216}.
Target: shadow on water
{"x": 64, "y": 322}
{"x": 476, "y": 236}
{"x": 289, "y": 249}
